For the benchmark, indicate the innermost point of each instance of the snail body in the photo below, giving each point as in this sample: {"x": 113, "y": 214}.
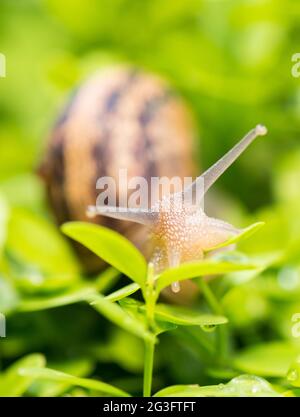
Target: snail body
{"x": 118, "y": 119}
{"x": 180, "y": 229}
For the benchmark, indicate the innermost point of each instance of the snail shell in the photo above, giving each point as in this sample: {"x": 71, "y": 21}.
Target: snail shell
{"x": 119, "y": 118}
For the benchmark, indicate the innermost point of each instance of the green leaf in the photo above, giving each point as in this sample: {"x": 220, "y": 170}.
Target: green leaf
{"x": 245, "y": 306}
{"x": 79, "y": 367}
{"x": 269, "y": 359}
{"x": 120, "y": 317}
{"x": 123, "y": 292}
{"x": 173, "y": 315}
{"x": 35, "y": 241}
{"x": 110, "y": 246}
{"x": 162, "y": 326}
{"x": 186, "y": 317}
{"x": 52, "y": 375}
{"x": 240, "y": 386}
{"x": 75, "y": 295}
{"x": 138, "y": 310}
{"x": 44, "y": 303}
{"x": 196, "y": 269}
{"x": 248, "y": 231}
{"x": 12, "y": 384}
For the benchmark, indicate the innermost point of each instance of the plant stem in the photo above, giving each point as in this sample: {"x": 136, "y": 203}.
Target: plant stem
{"x": 150, "y": 296}
{"x": 209, "y": 296}
{"x": 222, "y": 333}
{"x": 148, "y": 368}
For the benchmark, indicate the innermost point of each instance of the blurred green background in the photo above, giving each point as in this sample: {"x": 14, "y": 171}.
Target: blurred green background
{"x": 231, "y": 60}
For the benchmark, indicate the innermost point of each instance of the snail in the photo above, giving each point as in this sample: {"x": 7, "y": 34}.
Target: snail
{"x": 179, "y": 228}
{"x": 119, "y": 118}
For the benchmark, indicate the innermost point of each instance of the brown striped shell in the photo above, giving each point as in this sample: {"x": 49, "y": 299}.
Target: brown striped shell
{"x": 119, "y": 118}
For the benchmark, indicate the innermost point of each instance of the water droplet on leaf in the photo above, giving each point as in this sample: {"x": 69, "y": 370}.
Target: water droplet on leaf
{"x": 208, "y": 327}
{"x": 292, "y": 375}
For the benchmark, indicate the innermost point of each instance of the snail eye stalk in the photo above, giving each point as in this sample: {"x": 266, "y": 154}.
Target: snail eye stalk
{"x": 215, "y": 171}
{"x": 145, "y": 217}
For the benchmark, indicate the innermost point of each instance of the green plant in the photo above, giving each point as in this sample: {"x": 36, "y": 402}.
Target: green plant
{"x": 148, "y": 319}
{"x": 245, "y": 76}
{"x": 252, "y": 286}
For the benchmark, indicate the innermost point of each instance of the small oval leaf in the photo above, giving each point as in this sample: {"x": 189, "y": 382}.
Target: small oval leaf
{"x": 240, "y": 386}
{"x": 112, "y": 247}
{"x": 196, "y": 269}
{"x": 45, "y": 303}
{"x": 120, "y": 317}
{"x": 245, "y": 233}
{"x": 123, "y": 292}
{"x": 268, "y": 359}
{"x": 12, "y": 384}
{"x": 57, "y": 376}
{"x": 186, "y": 317}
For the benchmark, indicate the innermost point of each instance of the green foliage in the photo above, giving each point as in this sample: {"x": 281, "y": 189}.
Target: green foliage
{"x": 231, "y": 62}
{"x": 186, "y": 317}
{"x": 146, "y": 320}
{"x": 35, "y": 266}
{"x": 245, "y": 233}
{"x": 242, "y": 386}
{"x": 14, "y": 381}
{"x": 57, "y": 376}
{"x": 123, "y": 292}
{"x": 43, "y": 303}
{"x": 111, "y": 247}
{"x": 119, "y": 317}
{"x": 270, "y": 360}
{"x": 194, "y": 269}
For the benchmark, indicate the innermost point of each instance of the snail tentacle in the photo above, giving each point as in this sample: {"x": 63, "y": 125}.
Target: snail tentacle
{"x": 210, "y": 176}
{"x": 145, "y": 217}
